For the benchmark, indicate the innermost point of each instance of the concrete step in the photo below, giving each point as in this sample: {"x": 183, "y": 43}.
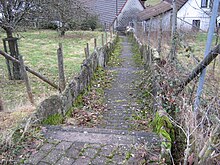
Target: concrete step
{"x": 85, "y": 146}
{"x": 100, "y": 135}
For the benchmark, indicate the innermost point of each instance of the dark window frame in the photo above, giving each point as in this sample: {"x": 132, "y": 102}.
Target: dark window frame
{"x": 204, "y": 3}
{"x": 196, "y": 24}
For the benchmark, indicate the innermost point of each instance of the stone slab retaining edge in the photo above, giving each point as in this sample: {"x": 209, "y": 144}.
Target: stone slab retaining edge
{"x": 61, "y": 103}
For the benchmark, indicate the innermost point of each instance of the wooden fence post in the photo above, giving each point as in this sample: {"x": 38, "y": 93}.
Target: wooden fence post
{"x": 149, "y": 33}
{"x": 111, "y": 34}
{"x": 7, "y": 61}
{"x": 148, "y": 44}
{"x": 26, "y": 80}
{"x": 172, "y": 54}
{"x": 62, "y": 83}
{"x": 87, "y": 48}
{"x": 102, "y": 40}
{"x": 160, "y": 35}
{"x": 95, "y": 43}
{"x": 106, "y": 37}
{"x": 86, "y": 54}
{"x": 1, "y": 104}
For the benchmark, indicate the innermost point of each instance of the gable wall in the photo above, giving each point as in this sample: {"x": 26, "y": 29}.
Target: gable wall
{"x": 129, "y": 12}
{"x": 192, "y": 11}
{"x": 155, "y": 24}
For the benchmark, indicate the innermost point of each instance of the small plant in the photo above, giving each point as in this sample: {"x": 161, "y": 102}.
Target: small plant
{"x": 128, "y": 155}
{"x": 163, "y": 126}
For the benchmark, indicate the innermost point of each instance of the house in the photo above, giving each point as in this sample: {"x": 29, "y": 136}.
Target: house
{"x": 163, "y": 9}
{"x": 191, "y": 14}
{"x": 114, "y": 12}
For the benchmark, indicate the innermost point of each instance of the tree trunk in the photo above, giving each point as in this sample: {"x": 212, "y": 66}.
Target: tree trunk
{"x": 62, "y": 33}
{"x": 13, "y": 49}
{"x": 1, "y": 105}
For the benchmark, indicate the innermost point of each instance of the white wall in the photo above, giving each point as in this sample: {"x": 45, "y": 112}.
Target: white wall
{"x": 192, "y": 11}
{"x": 155, "y": 26}
{"x": 128, "y": 13}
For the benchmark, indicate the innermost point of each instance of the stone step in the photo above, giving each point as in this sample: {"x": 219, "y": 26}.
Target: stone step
{"x": 84, "y": 146}
{"x": 100, "y": 135}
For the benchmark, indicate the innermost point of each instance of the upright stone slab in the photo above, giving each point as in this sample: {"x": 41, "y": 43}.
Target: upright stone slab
{"x": 50, "y": 106}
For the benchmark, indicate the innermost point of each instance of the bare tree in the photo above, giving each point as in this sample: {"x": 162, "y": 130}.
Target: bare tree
{"x": 18, "y": 12}
{"x": 12, "y": 12}
{"x": 64, "y": 12}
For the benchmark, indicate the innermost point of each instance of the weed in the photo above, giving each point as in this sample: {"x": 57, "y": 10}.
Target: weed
{"x": 163, "y": 126}
{"x": 128, "y": 155}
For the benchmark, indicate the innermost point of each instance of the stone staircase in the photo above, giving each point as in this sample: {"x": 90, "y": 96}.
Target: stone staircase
{"x": 114, "y": 141}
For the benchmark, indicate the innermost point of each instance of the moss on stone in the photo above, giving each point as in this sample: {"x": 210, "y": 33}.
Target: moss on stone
{"x": 55, "y": 119}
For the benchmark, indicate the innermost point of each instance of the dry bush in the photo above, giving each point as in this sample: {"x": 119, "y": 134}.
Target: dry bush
{"x": 20, "y": 136}
{"x": 201, "y": 130}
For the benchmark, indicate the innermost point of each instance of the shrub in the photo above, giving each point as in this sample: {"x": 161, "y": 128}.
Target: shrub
{"x": 90, "y": 23}
{"x": 85, "y": 25}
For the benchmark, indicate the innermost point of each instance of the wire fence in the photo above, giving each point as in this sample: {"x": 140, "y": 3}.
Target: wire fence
{"x": 190, "y": 47}
{"x": 190, "y": 41}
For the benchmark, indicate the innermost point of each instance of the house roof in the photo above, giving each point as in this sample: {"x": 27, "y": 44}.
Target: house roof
{"x": 159, "y": 8}
{"x": 105, "y": 9}
{"x": 153, "y": 11}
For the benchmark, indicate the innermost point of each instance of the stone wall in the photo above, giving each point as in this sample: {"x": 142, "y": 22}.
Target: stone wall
{"x": 60, "y": 104}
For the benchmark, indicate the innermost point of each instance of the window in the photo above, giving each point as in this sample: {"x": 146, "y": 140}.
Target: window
{"x": 204, "y": 3}
{"x": 196, "y": 25}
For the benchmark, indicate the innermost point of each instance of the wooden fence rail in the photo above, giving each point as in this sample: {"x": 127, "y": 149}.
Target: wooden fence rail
{"x": 202, "y": 65}
{"x": 7, "y": 56}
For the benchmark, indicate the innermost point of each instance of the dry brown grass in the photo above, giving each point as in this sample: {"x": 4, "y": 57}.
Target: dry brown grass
{"x": 11, "y": 119}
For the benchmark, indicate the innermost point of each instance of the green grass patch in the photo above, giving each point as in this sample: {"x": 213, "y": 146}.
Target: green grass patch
{"x": 136, "y": 51}
{"x": 53, "y": 120}
{"x": 39, "y": 50}
{"x": 114, "y": 58}
{"x": 152, "y": 2}
{"x": 137, "y": 54}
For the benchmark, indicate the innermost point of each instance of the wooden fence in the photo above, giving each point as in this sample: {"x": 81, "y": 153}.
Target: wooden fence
{"x": 61, "y": 83}
{"x": 60, "y": 104}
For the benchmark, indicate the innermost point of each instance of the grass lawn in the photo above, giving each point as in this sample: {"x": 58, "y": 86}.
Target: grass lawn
{"x": 39, "y": 52}
{"x": 188, "y": 60}
{"x": 153, "y": 2}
